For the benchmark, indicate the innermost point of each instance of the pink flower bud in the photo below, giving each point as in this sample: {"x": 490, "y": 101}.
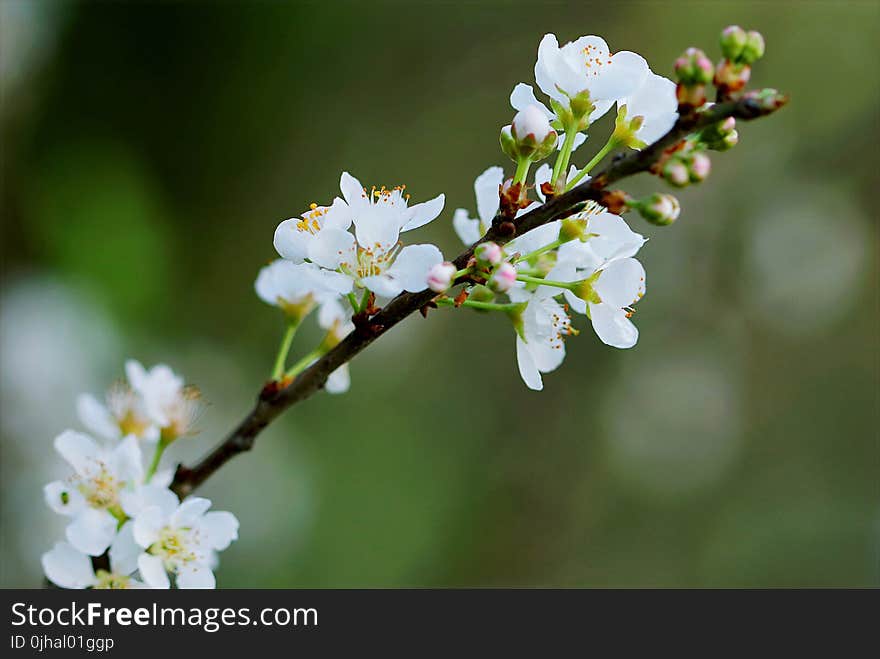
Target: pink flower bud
{"x": 503, "y": 278}
{"x": 489, "y": 254}
{"x": 676, "y": 173}
{"x": 700, "y": 167}
{"x": 440, "y": 276}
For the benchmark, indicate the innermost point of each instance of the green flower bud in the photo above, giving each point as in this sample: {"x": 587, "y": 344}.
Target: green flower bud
{"x": 733, "y": 40}
{"x": 676, "y": 173}
{"x": 585, "y": 291}
{"x": 753, "y": 49}
{"x": 659, "y": 209}
{"x": 581, "y": 105}
{"x": 480, "y": 293}
{"x": 693, "y": 67}
{"x": 699, "y": 167}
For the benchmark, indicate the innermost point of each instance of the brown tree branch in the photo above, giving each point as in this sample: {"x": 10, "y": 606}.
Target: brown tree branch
{"x": 274, "y": 399}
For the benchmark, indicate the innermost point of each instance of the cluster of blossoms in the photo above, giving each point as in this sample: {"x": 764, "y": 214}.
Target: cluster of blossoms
{"x": 117, "y": 497}
{"x": 582, "y": 263}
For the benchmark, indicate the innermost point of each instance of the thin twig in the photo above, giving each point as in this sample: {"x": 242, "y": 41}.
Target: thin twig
{"x": 275, "y": 398}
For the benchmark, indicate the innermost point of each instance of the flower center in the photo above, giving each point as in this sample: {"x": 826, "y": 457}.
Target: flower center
{"x": 174, "y": 546}
{"x": 374, "y": 260}
{"x": 111, "y": 581}
{"x": 101, "y": 490}
{"x": 312, "y": 220}
{"x": 595, "y": 59}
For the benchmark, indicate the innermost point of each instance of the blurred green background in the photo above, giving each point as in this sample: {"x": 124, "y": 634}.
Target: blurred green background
{"x": 149, "y": 151}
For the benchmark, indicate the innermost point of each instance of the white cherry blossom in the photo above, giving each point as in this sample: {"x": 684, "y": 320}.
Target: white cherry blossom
{"x": 486, "y": 190}
{"x": 587, "y": 65}
{"x": 173, "y": 406}
{"x": 91, "y": 496}
{"x": 182, "y": 540}
{"x": 373, "y": 258}
{"x": 122, "y": 413}
{"x": 297, "y": 287}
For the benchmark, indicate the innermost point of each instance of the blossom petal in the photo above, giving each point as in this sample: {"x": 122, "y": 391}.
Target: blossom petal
{"x": 612, "y": 326}
{"x": 377, "y": 226}
{"x": 421, "y": 214}
{"x": 135, "y": 501}
{"x": 411, "y": 266}
{"x": 621, "y": 283}
{"x": 523, "y": 96}
{"x": 354, "y": 192}
{"x": 337, "y": 216}
{"x": 339, "y": 381}
{"x": 195, "y": 576}
{"x": 220, "y": 527}
{"x": 466, "y": 228}
{"x": 614, "y": 239}
{"x": 332, "y": 247}
{"x": 291, "y": 242}
{"x": 189, "y": 512}
{"x": 620, "y": 78}
{"x": 655, "y": 101}
{"x": 486, "y": 190}
{"x": 68, "y": 568}
{"x": 127, "y": 460}
{"x": 153, "y": 571}
{"x": 79, "y": 450}
{"x": 149, "y": 521}
{"x": 63, "y": 499}
{"x": 124, "y": 551}
{"x": 383, "y": 285}
{"x": 91, "y": 531}
{"x": 96, "y": 417}
{"x": 528, "y": 371}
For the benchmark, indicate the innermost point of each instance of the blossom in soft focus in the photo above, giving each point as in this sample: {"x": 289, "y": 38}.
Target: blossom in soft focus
{"x": 91, "y": 496}
{"x": 122, "y": 413}
{"x": 171, "y": 405}
{"x": 334, "y": 318}
{"x": 296, "y": 288}
{"x": 182, "y": 541}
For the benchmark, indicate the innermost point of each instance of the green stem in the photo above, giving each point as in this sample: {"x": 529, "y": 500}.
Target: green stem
{"x": 281, "y": 358}
{"x": 610, "y": 145}
{"x": 461, "y": 273}
{"x": 157, "y": 456}
{"x": 544, "y": 282}
{"x": 352, "y": 300}
{"x": 364, "y": 299}
{"x": 522, "y": 170}
{"x": 546, "y": 248}
{"x": 474, "y": 304}
{"x": 561, "y": 164}
{"x": 303, "y": 363}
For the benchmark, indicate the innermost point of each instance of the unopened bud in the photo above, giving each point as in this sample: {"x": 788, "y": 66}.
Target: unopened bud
{"x": 700, "y": 166}
{"x": 768, "y": 99}
{"x": 660, "y": 209}
{"x": 733, "y": 40}
{"x": 503, "y": 279}
{"x": 730, "y": 140}
{"x": 440, "y": 277}
{"x": 732, "y": 76}
{"x": 720, "y": 136}
{"x": 676, "y": 173}
{"x": 692, "y": 96}
{"x": 754, "y": 47}
{"x": 530, "y": 135}
{"x": 693, "y": 67}
{"x": 489, "y": 254}
{"x": 480, "y": 293}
